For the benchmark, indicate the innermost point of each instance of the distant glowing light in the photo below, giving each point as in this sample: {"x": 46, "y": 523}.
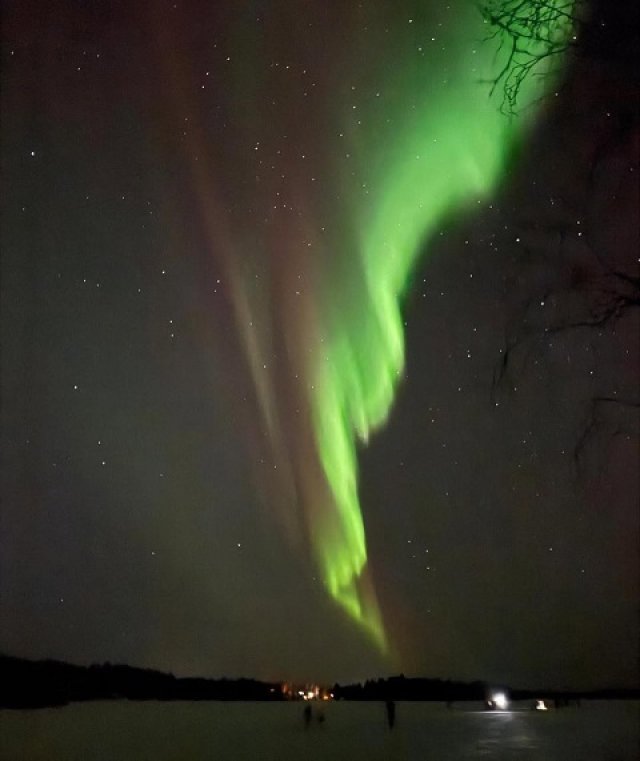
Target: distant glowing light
{"x": 499, "y": 699}
{"x": 541, "y": 705}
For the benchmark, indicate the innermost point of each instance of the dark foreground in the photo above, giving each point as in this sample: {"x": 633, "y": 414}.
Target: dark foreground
{"x": 353, "y": 731}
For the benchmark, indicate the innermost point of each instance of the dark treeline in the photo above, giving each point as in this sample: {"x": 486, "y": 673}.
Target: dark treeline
{"x": 32, "y": 684}
{"x": 404, "y": 688}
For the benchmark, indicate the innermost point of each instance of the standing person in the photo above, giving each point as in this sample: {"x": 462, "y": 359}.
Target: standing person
{"x": 391, "y": 712}
{"x": 307, "y": 716}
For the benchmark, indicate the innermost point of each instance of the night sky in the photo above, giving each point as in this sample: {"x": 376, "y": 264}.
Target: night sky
{"x": 315, "y": 363}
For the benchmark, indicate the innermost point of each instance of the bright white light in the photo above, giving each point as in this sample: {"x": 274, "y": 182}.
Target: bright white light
{"x": 500, "y": 701}
{"x": 541, "y": 705}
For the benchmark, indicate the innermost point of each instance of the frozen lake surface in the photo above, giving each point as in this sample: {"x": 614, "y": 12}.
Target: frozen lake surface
{"x": 121, "y": 730}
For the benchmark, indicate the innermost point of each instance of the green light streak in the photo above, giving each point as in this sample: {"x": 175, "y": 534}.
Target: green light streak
{"x": 431, "y": 143}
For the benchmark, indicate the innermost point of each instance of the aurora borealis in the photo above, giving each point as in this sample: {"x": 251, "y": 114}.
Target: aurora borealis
{"x": 437, "y": 142}
{"x": 421, "y": 138}
{"x": 304, "y": 359}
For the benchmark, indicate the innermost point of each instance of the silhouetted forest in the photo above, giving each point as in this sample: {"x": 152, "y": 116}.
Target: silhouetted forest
{"x": 404, "y": 688}
{"x": 35, "y": 684}
{"x": 32, "y": 684}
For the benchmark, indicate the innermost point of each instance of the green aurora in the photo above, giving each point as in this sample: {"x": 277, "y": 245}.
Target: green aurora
{"x": 398, "y": 126}
{"x": 429, "y": 140}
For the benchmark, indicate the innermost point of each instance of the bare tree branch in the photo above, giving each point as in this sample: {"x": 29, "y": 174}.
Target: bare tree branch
{"x": 597, "y": 420}
{"x": 532, "y": 31}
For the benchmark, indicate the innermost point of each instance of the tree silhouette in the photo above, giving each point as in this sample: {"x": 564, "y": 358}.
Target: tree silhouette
{"x": 576, "y": 277}
{"x": 531, "y": 32}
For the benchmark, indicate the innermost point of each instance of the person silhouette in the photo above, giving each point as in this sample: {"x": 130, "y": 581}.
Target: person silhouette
{"x": 391, "y": 712}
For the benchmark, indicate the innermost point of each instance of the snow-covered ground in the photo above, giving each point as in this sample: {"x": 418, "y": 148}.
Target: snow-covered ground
{"x": 117, "y": 731}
